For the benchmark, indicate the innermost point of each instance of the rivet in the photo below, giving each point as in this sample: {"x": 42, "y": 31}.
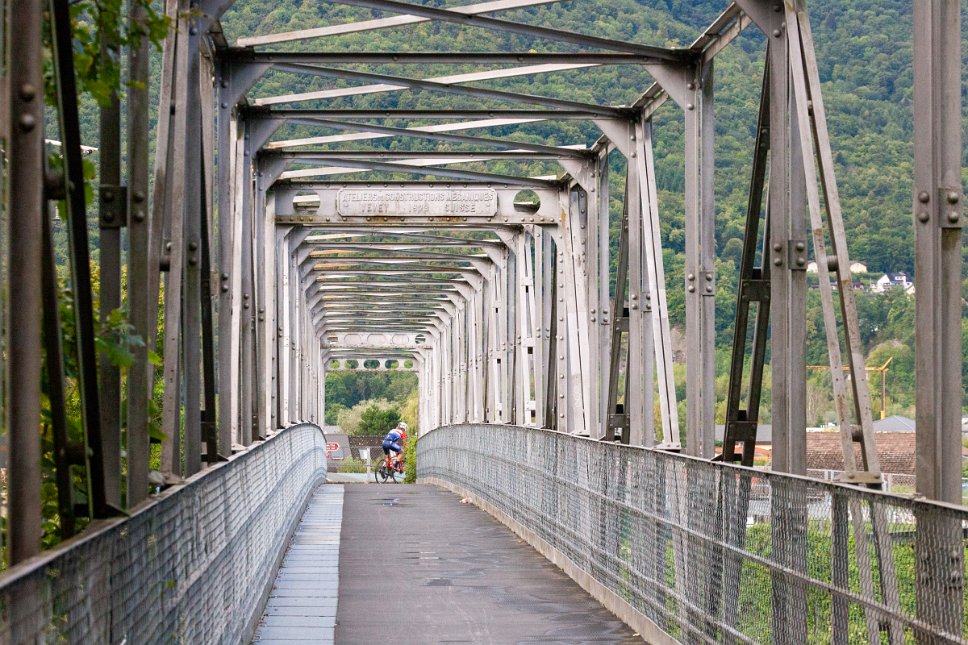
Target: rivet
{"x": 709, "y": 277}
{"x": 27, "y": 122}
{"x": 953, "y": 216}
{"x": 801, "y": 261}
{"x": 690, "y": 106}
{"x": 801, "y": 246}
{"x": 690, "y": 86}
{"x": 28, "y": 92}
{"x": 224, "y": 105}
{"x": 193, "y": 260}
{"x": 691, "y": 288}
{"x": 777, "y": 262}
{"x": 193, "y": 245}
{"x": 225, "y": 276}
{"x": 776, "y": 33}
{"x": 923, "y": 216}
{"x": 952, "y": 197}
{"x": 923, "y": 197}
{"x": 137, "y": 196}
{"x": 709, "y": 288}
{"x": 634, "y": 297}
{"x": 635, "y": 305}
{"x": 225, "y": 288}
{"x": 139, "y": 215}
{"x": 193, "y": 31}
{"x": 691, "y": 277}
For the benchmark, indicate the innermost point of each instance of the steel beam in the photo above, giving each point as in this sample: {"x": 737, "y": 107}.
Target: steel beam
{"x": 938, "y": 220}
{"x": 383, "y": 23}
{"x": 25, "y": 221}
{"x": 112, "y": 217}
{"x": 143, "y": 312}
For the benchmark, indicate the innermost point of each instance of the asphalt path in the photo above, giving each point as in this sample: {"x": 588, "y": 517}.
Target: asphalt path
{"x": 417, "y": 566}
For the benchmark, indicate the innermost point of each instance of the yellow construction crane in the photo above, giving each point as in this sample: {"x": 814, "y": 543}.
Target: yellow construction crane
{"x": 882, "y": 369}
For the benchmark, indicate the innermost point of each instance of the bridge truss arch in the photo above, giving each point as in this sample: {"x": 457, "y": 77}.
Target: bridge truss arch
{"x": 297, "y": 233}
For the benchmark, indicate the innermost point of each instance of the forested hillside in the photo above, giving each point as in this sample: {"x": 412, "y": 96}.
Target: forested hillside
{"x": 864, "y": 54}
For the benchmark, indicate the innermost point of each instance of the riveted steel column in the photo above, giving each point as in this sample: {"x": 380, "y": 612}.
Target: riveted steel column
{"x": 228, "y": 147}
{"x": 938, "y": 220}
{"x": 79, "y": 253}
{"x": 174, "y": 210}
{"x": 641, "y": 357}
{"x": 191, "y": 334}
{"x": 656, "y": 282}
{"x": 142, "y": 308}
{"x": 24, "y": 321}
{"x": 540, "y": 296}
{"x": 700, "y": 264}
{"x": 112, "y": 217}
{"x": 601, "y": 318}
{"x": 282, "y": 324}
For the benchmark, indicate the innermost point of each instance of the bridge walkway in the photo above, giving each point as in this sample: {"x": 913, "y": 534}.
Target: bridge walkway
{"x": 417, "y": 566}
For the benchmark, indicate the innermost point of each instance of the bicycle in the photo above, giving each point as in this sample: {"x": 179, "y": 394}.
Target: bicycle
{"x": 388, "y": 470}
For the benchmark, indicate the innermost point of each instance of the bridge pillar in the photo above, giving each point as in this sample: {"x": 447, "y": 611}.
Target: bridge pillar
{"x": 938, "y": 221}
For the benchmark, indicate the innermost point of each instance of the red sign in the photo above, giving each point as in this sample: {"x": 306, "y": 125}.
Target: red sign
{"x": 332, "y": 446}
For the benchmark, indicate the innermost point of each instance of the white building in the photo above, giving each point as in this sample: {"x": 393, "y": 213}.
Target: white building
{"x": 889, "y": 281}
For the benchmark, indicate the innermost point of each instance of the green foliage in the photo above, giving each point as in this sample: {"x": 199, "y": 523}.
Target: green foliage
{"x": 370, "y": 417}
{"x": 375, "y": 420}
{"x": 410, "y": 463}
{"x": 347, "y": 388}
{"x": 99, "y": 77}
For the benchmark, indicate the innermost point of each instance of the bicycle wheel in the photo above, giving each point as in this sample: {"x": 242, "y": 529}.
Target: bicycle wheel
{"x": 392, "y": 475}
{"x": 380, "y": 474}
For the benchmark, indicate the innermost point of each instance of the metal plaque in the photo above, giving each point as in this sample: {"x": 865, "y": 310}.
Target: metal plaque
{"x": 369, "y": 202}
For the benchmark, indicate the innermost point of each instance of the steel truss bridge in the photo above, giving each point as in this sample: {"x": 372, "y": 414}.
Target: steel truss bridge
{"x": 411, "y": 238}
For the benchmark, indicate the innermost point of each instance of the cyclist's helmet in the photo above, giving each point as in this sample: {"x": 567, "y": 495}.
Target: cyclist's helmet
{"x": 403, "y": 427}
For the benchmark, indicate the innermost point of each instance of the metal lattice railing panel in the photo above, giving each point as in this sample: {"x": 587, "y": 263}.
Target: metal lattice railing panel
{"x": 190, "y": 567}
{"x": 717, "y": 553}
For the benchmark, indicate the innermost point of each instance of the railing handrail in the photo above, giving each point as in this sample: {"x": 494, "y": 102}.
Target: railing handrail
{"x": 912, "y": 500}
{"x": 193, "y": 564}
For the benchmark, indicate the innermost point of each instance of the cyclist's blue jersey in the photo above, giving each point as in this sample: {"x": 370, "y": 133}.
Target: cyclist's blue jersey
{"x": 393, "y": 436}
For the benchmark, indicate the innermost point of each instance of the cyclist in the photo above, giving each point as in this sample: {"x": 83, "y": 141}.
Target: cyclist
{"x": 394, "y": 442}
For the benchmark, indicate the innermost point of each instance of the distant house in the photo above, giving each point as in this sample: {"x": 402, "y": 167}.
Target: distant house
{"x": 890, "y": 281}
{"x": 763, "y": 452}
{"x": 895, "y": 450}
{"x": 894, "y": 423}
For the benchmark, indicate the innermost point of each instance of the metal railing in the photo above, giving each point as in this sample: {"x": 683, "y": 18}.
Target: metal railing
{"x": 192, "y": 566}
{"x": 708, "y": 552}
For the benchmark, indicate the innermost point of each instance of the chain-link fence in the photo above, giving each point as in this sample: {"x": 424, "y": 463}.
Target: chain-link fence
{"x": 716, "y": 553}
{"x": 191, "y": 567}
